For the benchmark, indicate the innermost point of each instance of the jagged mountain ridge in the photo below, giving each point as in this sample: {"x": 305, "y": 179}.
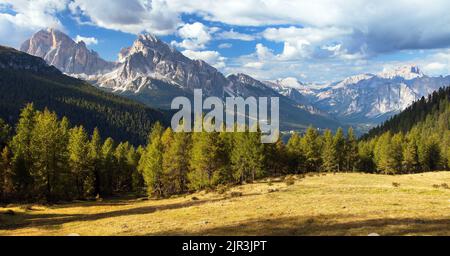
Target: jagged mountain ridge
{"x": 154, "y": 73}
{"x": 370, "y": 99}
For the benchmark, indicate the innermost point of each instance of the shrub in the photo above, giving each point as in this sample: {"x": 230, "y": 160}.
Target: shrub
{"x": 396, "y": 184}
{"x": 289, "y": 180}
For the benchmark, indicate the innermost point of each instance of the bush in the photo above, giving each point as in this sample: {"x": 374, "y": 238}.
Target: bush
{"x": 289, "y": 180}
{"x": 396, "y": 184}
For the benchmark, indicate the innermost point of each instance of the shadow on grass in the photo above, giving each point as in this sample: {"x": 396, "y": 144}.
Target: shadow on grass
{"x": 20, "y": 220}
{"x": 326, "y": 225}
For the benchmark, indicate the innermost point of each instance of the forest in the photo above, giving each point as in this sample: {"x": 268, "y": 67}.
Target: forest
{"x": 46, "y": 159}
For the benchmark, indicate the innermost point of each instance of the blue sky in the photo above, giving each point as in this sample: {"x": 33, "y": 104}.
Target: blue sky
{"x": 313, "y": 41}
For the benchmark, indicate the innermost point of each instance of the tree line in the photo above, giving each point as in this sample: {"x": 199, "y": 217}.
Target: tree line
{"x": 45, "y": 159}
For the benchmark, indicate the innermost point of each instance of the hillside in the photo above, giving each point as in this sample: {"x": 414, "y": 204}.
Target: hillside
{"x": 25, "y": 78}
{"x": 340, "y": 204}
{"x": 435, "y": 107}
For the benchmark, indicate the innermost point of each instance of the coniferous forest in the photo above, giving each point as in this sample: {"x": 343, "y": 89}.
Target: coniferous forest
{"x": 46, "y": 158}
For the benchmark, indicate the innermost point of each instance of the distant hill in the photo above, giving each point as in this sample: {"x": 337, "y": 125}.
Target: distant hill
{"x": 25, "y": 78}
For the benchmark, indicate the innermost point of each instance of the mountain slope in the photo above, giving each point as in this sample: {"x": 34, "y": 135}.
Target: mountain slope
{"x": 434, "y": 109}
{"x": 25, "y": 78}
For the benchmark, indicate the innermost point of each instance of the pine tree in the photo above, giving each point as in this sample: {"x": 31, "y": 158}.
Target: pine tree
{"x": 339, "y": 145}
{"x": 47, "y": 154}
{"x": 351, "y": 151}
{"x": 204, "y": 163}
{"x": 247, "y": 157}
{"x": 410, "y": 156}
{"x": 329, "y": 153}
{"x": 295, "y": 153}
{"x": 107, "y": 166}
{"x": 95, "y": 160}
{"x": 276, "y": 156}
{"x": 79, "y": 162}
{"x": 151, "y": 162}
{"x": 176, "y": 164}
{"x": 20, "y": 146}
{"x": 311, "y": 148}
{"x": 122, "y": 173}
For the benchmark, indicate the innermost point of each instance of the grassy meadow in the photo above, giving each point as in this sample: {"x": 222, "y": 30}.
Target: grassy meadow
{"x": 325, "y": 204}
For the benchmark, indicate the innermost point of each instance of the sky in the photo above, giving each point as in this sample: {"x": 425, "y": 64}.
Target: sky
{"x": 316, "y": 41}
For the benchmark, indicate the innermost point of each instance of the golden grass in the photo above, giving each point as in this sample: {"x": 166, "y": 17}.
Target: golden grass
{"x": 332, "y": 204}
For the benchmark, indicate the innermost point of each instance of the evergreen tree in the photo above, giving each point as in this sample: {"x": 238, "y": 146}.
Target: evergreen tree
{"x": 107, "y": 164}
{"x": 204, "y": 163}
{"x": 247, "y": 157}
{"x": 295, "y": 153}
{"x": 339, "y": 145}
{"x": 311, "y": 148}
{"x": 95, "y": 160}
{"x": 329, "y": 153}
{"x": 176, "y": 163}
{"x": 351, "y": 151}
{"x": 47, "y": 148}
{"x": 122, "y": 172}
{"x": 20, "y": 146}
{"x": 151, "y": 162}
{"x": 410, "y": 156}
{"x": 79, "y": 162}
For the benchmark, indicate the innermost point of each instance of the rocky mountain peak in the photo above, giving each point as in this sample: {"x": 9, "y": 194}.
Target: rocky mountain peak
{"x": 61, "y": 51}
{"x": 407, "y": 72}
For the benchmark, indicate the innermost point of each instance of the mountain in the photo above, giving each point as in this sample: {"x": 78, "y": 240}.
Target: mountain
{"x": 59, "y": 50}
{"x": 25, "y": 78}
{"x": 430, "y": 113}
{"x": 154, "y": 73}
{"x": 369, "y": 99}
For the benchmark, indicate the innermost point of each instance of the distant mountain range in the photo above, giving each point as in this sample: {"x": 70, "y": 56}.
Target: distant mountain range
{"x": 153, "y": 73}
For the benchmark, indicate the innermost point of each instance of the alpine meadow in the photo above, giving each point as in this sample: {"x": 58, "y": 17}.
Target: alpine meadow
{"x": 299, "y": 119}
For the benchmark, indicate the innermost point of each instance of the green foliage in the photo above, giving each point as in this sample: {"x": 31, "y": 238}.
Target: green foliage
{"x": 151, "y": 163}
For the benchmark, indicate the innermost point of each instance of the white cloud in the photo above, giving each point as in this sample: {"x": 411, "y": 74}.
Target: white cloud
{"x": 131, "y": 16}
{"x": 235, "y": 35}
{"x": 86, "y": 40}
{"x": 27, "y": 17}
{"x": 195, "y": 36}
{"x": 211, "y": 57}
{"x": 225, "y": 45}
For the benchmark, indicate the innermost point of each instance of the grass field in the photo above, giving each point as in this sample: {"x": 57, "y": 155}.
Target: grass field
{"x": 332, "y": 204}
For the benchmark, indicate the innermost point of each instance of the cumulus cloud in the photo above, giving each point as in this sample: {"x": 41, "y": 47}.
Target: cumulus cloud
{"x": 131, "y": 16}
{"x": 195, "y": 36}
{"x": 27, "y": 16}
{"x": 86, "y": 40}
{"x": 211, "y": 57}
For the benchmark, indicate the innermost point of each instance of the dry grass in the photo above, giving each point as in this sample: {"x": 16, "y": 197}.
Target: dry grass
{"x": 340, "y": 204}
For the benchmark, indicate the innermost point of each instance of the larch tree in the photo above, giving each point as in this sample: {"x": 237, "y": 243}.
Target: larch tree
{"x": 79, "y": 162}
{"x": 20, "y": 146}
{"x": 329, "y": 153}
{"x": 151, "y": 162}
